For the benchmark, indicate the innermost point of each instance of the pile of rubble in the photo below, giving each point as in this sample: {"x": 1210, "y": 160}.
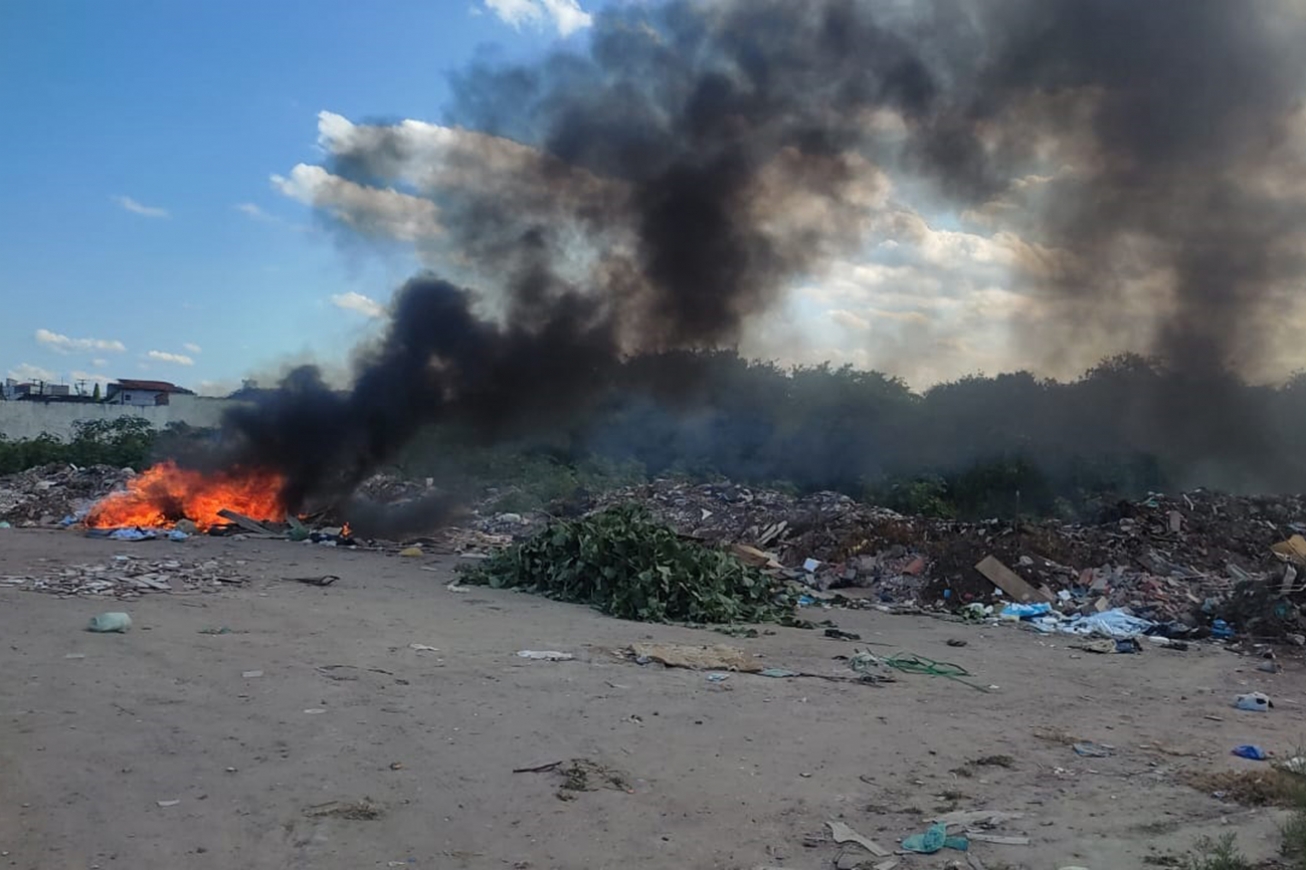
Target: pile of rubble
{"x": 49, "y": 493}
{"x": 128, "y": 577}
{"x": 1169, "y": 559}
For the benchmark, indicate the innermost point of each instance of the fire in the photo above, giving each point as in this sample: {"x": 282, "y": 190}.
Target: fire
{"x": 160, "y": 496}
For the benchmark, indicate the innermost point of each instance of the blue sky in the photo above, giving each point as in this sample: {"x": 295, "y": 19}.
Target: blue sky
{"x": 140, "y": 235}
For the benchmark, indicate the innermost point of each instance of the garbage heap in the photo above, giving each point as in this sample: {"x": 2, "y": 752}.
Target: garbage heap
{"x": 1185, "y": 559}
{"x": 48, "y": 494}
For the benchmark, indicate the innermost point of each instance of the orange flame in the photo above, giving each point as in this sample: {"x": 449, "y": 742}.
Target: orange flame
{"x": 160, "y": 496}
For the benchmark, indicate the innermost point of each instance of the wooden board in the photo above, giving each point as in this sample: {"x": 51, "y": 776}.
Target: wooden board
{"x": 245, "y": 522}
{"x": 1009, "y": 581}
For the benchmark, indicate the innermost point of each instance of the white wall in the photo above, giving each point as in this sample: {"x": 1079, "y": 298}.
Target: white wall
{"x": 30, "y": 419}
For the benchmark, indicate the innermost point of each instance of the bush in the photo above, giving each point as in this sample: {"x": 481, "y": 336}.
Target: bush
{"x": 122, "y": 441}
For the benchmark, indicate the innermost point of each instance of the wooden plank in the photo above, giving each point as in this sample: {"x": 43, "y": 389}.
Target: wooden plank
{"x": 1009, "y": 581}
{"x": 844, "y": 834}
{"x": 245, "y": 522}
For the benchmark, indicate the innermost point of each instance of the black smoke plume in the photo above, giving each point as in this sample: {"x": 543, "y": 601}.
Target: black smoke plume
{"x": 678, "y": 176}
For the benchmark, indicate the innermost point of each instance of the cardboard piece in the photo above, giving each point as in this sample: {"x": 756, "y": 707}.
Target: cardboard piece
{"x": 1010, "y": 582}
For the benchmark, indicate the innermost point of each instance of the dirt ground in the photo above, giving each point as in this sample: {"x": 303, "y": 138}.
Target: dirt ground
{"x": 154, "y": 750}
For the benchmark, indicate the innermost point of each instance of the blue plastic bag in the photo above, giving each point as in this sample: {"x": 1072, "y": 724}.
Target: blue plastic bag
{"x": 1248, "y": 750}
{"x": 1026, "y": 611}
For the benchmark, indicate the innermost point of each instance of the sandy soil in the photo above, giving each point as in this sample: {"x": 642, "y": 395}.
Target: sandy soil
{"x": 721, "y": 775}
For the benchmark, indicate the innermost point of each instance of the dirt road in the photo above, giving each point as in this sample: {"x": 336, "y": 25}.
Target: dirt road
{"x": 312, "y": 734}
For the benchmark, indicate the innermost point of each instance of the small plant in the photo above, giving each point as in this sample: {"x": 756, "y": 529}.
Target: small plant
{"x": 1221, "y": 854}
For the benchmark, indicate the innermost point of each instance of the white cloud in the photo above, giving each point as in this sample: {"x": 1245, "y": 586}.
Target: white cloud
{"x": 565, "y": 15}
{"x": 364, "y": 305}
{"x": 177, "y": 358}
{"x": 137, "y": 208}
{"x": 99, "y": 362}
{"x": 29, "y": 372}
{"x": 63, "y": 344}
{"x": 368, "y": 209}
{"x": 90, "y": 376}
{"x": 192, "y": 347}
{"x": 253, "y": 212}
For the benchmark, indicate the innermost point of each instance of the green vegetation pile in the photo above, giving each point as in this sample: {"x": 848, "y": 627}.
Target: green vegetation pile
{"x": 625, "y": 564}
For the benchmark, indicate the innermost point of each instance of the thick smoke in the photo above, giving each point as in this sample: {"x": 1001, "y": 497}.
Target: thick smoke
{"x": 661, "y": 190}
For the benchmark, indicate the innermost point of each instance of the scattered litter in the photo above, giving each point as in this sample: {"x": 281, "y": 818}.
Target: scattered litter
{"x": 1256, "y": 702}
{"x": 840, "y": 634}
{"x": 250, "y": 675}
{"x": 844, "y": 834}
{"x": 75, "y": 656}
{"x": 1221, "y": 630}
{"x": 810, "y": 565}
{"x": 933, "y": 840}
{"x": 132, "y": 535}
{"x": 697, "y": 658}
{"x": 313, "y": 711}
{"x": 717, "y": 677}
{"x": 108, "y": 622}
{"x": 1092, "y": 750}
{"x": 957, "y": 642}
{"x": 167, "y": 803}
{"x": 454, "y": 587}
{"x": 411, "y": 552}
{"x": 421, "y": 647}
{"x": 177, "y": 536}
{"x": 997, "y": 840}
{"x": 545, "y": 655}
{"x": 1251, "y": 751}
{"x": 1025, "y": 611}
{"x": 318, "y": 580}
{"x": 974, "y": 818}
{"x": 365, "y": 810}
{"x": 778, "y": 673}
{"x": 910, "y": 663}
{"x": 220, "y": 630}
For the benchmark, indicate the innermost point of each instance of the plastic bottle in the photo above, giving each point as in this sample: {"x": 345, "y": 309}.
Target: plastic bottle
{"x": 110, "y": 622}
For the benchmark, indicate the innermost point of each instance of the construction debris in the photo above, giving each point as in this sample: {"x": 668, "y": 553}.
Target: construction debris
{"x": 127, "y": 577}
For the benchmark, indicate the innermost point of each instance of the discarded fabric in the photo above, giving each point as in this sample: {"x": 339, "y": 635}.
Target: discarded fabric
{"x": 132, "y": 535}
{"x": 1116, "y": 623}
{"x": 1248, "y": 750}
{"x": 933, "y": 840}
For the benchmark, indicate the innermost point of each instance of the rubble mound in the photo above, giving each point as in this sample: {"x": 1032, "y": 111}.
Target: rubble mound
{"x": 1188, "y": 557}
{"x": 47, "y": 494}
